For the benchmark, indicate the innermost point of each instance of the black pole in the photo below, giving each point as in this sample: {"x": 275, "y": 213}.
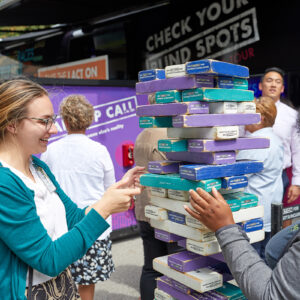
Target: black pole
{"x": 276, "y": 218}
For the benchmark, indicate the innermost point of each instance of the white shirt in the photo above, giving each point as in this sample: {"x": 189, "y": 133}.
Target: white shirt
{"x": 266, "y": 185}
{"x": 286, "y": 128}
{"x": 49, "y": 208}
{"x": 83, "y": 168}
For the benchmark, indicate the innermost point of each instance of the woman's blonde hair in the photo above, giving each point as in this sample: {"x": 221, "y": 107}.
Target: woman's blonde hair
{"x": 267, "y": 108}
{"x": 77, "y": 111}
{"x": 15, "y": 95}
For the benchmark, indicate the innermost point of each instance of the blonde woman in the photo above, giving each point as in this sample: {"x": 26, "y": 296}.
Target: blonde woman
{"x": 40, "y": 227}
{"x": 84, "y": 169}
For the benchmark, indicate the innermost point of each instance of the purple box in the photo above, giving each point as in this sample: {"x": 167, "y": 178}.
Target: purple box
{"x": 212, "y": 158}
{"x": 163, "y": 167}
{"x": 207, "y": 120}
{"x": 205, "y": 81}
{"x": 165, "y": 236}
{"x": 164, "y": 284}
{"x": 176, "y": 83}
{"x": 218, "y": 256}
{"x": 199, "y": 145}
{"x": 186, "y": 261}
{"x": 182, "y": 243}
{"x": 173, "y": 109}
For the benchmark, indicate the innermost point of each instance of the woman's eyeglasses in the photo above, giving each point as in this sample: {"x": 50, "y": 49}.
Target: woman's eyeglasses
{"x": 47, "y": 122}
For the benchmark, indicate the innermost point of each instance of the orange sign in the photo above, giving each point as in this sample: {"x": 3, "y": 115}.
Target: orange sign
{"x": 91, "y": 68}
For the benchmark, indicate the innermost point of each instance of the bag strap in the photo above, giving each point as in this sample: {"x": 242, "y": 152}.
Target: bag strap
{"x": 30, "y": 279}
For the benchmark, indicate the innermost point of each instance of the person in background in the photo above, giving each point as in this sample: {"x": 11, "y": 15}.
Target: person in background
{"x": 84, "y": 170}
{"x": 266, "y": 185}
{"x": 272, "y": 85}
{"x": 40, "y": 227}
{"x": 146, "y": 150}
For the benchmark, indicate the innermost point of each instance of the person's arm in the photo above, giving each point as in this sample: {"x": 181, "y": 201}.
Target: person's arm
{"x": 254, "y": 277}
{"x": 23, "y": 232}
{"x": 294, "y": 189}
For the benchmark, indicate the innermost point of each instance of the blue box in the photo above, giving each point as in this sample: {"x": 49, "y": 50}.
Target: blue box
{"x": 201, "y": 171}
{"x": 234, "y": 182}
{"x": 147, "y": 75}
{"x": 252, "y": 225}
{"x": 224, "y": 82}
{"x": 216, "y": 67}
{"x": 176, "y": 217}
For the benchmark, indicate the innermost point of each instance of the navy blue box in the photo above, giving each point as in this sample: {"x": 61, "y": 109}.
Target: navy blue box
{"x": 201, "y": 171}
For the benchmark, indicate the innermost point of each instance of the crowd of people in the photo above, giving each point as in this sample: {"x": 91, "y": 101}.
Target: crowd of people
{"x": 55, "y": 212}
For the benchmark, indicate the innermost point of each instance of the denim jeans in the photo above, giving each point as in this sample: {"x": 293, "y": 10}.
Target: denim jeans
{"x": 278, "y": 244}
{"x": 152, "y": 248}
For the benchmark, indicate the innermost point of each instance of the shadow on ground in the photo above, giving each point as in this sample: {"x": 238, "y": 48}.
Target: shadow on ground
{"x": 128, "y": 275}
{"x": 104, "y": 295}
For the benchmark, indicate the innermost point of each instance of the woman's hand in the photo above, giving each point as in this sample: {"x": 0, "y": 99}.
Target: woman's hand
{"x": 212, "y": 211}
{"x": 133, "y": 176}
{"x": 117, "y": 198}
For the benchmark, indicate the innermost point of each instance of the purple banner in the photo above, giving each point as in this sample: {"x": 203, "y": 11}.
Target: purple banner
{"x": 115, "y": 124}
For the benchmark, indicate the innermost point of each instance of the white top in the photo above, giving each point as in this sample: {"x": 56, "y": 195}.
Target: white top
{"x": 266, "y": 185}
{"x": 286, "y": 128}
{"x": 83, "y": 168}
{"x": 49, "y": 208}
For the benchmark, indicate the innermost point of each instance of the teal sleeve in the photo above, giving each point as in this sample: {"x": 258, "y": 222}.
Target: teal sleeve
{"x": 23, "y": 233}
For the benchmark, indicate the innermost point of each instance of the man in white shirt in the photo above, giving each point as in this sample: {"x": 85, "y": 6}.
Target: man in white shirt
{"x": 272, "y": 85}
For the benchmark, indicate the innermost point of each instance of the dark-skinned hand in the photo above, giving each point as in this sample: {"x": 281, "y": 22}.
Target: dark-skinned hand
{"x": 212, "y": 211}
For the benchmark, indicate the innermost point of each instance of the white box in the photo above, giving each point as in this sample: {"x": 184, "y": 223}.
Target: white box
{"x": 155, "y": 212}
{"x": 246, "y": 107}
{"x": 159, "y": 192}
{"x": 175, "y": 71}
{"x": 213, "y": 247}
{"x": 178, "y": 195}
{"x": 223, "y": 107}
{"x": 213, "y": 133}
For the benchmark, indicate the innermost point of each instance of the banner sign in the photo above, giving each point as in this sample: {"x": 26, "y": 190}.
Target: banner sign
{"x": 115, "y": 123}
{"x": 291, "y": 212}
{"x": 91, "y": 68}
{"x": 221, "y": 38}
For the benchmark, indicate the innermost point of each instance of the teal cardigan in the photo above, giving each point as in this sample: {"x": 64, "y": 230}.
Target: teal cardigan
{"x": 24, "y": 240}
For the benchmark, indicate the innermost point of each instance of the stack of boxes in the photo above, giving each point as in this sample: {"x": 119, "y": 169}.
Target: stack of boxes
{"x": 202, "y": 104}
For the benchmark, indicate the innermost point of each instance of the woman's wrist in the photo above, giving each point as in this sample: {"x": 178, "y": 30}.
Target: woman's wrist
{"x": 100, "y": 208}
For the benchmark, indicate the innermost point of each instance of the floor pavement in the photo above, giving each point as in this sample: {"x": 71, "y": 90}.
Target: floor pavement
{"x": 124, "y": 282}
